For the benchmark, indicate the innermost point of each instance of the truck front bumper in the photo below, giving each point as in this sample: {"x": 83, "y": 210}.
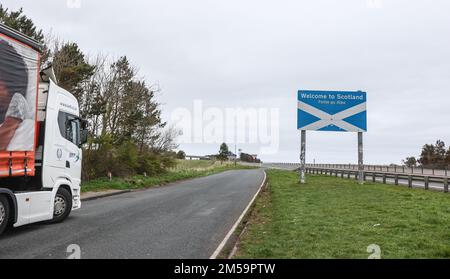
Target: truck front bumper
{"x": 76, "y": 199}
{"x": 76, "y": 203}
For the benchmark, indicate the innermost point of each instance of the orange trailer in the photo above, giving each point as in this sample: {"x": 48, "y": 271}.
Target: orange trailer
{"x": 19, "y": 85}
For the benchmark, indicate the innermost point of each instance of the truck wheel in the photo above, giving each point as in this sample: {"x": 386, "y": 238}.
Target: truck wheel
{"x": 63, "y": 205}
{"x": 4, "y": 213}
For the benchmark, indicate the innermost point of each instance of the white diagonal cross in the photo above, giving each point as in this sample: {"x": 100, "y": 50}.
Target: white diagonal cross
{"x": 327, "y": 119}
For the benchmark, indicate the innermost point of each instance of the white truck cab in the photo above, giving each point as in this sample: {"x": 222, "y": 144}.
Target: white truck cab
{"x": 43, "y": 184}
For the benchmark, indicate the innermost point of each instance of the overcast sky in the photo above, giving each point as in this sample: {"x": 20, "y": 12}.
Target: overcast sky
{"x": 258, "y": 53}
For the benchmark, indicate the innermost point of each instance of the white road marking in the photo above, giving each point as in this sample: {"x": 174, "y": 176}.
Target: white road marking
{"x": 233, "y": 229}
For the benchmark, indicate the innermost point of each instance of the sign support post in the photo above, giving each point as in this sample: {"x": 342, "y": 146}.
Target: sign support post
{"x": 360, "y": 158}
{"x": 303, "y": 157}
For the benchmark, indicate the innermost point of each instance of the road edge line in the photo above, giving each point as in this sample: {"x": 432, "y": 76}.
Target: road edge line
{"x": 225, "y": 241}
{"x": 105, "y": 195}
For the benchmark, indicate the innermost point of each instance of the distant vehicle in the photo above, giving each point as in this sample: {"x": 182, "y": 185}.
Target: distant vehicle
{"x": 41, "y": 134}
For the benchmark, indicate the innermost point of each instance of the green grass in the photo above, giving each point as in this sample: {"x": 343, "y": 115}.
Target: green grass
{"x": 332, "y": 218}
{"x": 196, "y": 165}
{"x": 186, "y": 171}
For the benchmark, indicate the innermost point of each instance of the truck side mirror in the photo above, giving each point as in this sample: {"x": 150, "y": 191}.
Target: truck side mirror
{"x": 83, "y": 136}
{"x": 84, "y": 132}
{"x": 84, "y": 124}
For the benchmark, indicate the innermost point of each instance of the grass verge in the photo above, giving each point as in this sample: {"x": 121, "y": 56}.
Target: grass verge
{"x": 196, "y": 165}
{"x": 139, "y": 182}
{"x": 332, "y": 218}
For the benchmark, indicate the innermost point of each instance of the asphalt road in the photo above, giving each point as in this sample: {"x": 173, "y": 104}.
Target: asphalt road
{"x": 187, "y": 219}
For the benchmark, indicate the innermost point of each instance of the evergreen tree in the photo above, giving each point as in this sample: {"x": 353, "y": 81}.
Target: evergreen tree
{"x": 20, "y": 22}
{"x": 447, "y": 158}
{"x": 428, "y": 155}
{"x": 223, "y": 153}
{"x": 410, "y": 162}
{"x": 440, "y": 154}
{"x": 71, "y": 68}
{"x": 17, "y": 20}
{"x": 181, "y": 155}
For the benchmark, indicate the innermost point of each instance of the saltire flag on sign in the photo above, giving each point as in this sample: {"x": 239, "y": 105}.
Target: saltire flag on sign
{"x": 337, "y": 111}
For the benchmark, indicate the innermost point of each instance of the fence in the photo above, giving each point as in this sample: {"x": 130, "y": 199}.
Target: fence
{"x": 393, "y": 169}
{"x": 434, "y": 179}
{"x": 386, "y": 175}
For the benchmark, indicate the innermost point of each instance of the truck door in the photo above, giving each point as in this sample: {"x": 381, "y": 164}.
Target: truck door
{"x": 62, "y": 152}
{"x": 71, "y": 133}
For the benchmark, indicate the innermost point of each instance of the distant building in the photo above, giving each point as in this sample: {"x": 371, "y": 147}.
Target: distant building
{"x": 231, "y": 156}
{"x": 250, "y": 158}
{"x": 197, "y": 158}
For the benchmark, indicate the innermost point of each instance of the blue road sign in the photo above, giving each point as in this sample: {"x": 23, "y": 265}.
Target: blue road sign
{"x": 332, "y": 111}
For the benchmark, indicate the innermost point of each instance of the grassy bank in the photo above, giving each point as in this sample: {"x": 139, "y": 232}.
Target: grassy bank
{"x": 184, "y": 170}
{"x": 335, "y": 218}
{"x": 196, "y": 165}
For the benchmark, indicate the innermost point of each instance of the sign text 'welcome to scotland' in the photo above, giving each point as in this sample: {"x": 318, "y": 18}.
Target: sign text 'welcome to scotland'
{"x": 332, "y": 111}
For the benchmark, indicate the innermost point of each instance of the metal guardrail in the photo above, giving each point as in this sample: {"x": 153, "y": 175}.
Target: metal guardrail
{"x": 412, "y": 177}
{"x": 393, "y": 169}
